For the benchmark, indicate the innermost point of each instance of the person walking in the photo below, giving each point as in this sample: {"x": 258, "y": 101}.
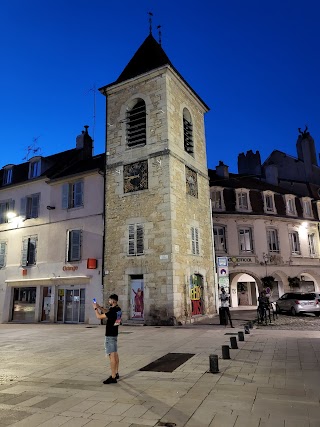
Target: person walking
{"x": 224, "y": 298}
{"x": 113, "y": 316}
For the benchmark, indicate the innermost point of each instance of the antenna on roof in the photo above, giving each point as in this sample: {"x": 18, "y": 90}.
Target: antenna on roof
{"x": 150, "y": 21}
{"x": 33, "y": 148}
{"x": 94, "y": 90}
{"x": 160, "y": 34}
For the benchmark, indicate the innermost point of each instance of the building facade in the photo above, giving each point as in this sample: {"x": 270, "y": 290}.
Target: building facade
{"x": 51, "y": 236}
{"x": 270, "y": 236}
{"x": 158, "y": 247}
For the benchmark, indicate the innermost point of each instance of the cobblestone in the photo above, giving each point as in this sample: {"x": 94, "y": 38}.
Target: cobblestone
{"x": 300, "y": 323}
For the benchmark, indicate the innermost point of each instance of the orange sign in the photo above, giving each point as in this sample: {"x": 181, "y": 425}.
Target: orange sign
{"x": 70, "y": 268}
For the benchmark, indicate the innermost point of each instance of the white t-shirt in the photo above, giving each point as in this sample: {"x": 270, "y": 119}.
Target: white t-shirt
{"x": 224, "y": 298}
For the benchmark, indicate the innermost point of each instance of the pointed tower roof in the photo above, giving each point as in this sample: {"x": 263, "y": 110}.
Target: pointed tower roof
{"x": 148, "y": 57}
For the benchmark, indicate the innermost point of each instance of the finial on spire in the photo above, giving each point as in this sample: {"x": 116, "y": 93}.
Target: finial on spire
{"x": 159, "y": 32}
{"x": 150, "y": 21}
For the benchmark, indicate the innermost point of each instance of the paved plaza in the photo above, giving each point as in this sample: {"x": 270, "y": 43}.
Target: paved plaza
{"x": 51, "y": 375}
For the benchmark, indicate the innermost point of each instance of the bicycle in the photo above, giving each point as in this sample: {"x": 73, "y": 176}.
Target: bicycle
{"x": 264, "y": 315}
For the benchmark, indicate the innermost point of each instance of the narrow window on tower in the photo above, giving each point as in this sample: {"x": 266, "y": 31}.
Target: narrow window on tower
{"x": 136, "y": 124}
{"x": 188, "y": 132}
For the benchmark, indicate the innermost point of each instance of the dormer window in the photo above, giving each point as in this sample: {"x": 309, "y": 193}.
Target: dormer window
{"x": 269, "y": 206}
{"x": 188, "y": 132}
{"x": 7, "y": 175}
{"x": 243, "y": 201}
{"x": 217, "y": 199}
{"x": 307, "y": 208}
{"x": 290, "y": 204}
{"x": 34, "y": 168}
{"x": 137, "y": 124}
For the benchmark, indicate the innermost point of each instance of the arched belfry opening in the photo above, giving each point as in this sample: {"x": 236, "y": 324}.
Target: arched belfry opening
{"x": 136, "y": 124}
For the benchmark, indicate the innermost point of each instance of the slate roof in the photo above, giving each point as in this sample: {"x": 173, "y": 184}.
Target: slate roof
{"x": 58, "y": 165}
{"x": 148, "y": 57}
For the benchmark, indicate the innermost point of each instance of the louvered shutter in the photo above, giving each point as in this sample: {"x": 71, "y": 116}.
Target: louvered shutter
{"x": 196, "y": 233}
{"x": 24, "y": 256}
{"x": 131, "y": 243}
{"x": 35, "y": 206}
{"x": 65, "y": 196}
{"x": 140, "y": 239}
{"x": 2, "y": 254}
{"x": 78, "y": 194}
{"x": 193, "y": 240}
{"x": 75, "y": 245}
{"x": 23, "y": 206}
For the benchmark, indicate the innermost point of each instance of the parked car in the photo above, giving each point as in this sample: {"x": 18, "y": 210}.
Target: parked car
{"x": 298, "y": 302}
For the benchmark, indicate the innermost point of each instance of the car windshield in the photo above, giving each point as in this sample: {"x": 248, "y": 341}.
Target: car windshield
{"x": 305, "y": 297}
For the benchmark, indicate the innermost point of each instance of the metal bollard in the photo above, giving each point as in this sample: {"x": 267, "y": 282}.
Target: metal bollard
{"x": 250, "y": 324}
{"x": 225, "y": 352}
{"x": 246, "y": 329}
{"x": 233, "y": 342}
{"x": 240, "y": 336}
{"x": 213, "y": 363}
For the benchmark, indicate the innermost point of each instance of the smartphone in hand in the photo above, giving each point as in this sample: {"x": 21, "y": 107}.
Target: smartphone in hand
{"x": 94, "y": 301}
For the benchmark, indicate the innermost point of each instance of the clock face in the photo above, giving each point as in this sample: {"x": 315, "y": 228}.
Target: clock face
{"x": 135, "y": 177}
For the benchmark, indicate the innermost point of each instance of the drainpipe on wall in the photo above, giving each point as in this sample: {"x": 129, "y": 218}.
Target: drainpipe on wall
{"x": 215, "y": 275}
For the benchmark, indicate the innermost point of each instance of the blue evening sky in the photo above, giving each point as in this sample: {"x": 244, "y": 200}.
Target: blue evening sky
{"x": 256, "y": 63}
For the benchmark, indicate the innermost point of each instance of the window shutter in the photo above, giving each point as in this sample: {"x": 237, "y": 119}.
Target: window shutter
{"x": 193, "y": 240}
{"x": 2, "y": 254}
{"x": 131, "y": 245}
{"x": 196, "y": 232}
{"x": 35, "y": 206}
{"x": 78, "y": 194}
{"x": 23, "y": 206}
{"x": 32, "y": 251}
{"x": 24, "y": 257}
{"x": 75, "y": 245}
{"x": 65, "y": 196}
{"x": 140, "y": 245}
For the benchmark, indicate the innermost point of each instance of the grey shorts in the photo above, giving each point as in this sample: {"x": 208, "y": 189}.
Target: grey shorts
{"x": 111, "y": 344}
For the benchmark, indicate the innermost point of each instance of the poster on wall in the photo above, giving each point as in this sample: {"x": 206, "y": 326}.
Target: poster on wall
{"x": 137, "y": 299}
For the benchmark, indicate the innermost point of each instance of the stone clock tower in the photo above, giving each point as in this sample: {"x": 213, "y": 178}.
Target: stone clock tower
{"x": 158, "y": 240}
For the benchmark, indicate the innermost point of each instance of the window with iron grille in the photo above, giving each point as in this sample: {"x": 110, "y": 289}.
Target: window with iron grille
{"x": 273, "y": 241}
{"x": 74, "y": 245}
{"x": 137, "y": 124}
{"x": 72, "y": 195}
{"x": 29, "y": 207}
{"x": 5, "y": 207}
{"x": 195, "y": 241}
{"x": 188, "y": 132}
{"x": 3, "y": 253}
{"x": 29, "y": 251}
{"x": 136, "y": 239}
{"x": 294, "y": 242}
{"x": 245, "y": 239}
{"x": 220, "y": 241}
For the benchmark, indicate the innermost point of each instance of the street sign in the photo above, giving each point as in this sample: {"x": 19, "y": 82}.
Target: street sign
{"x": 223, "y": 271}
{"x": 222, "y": 261}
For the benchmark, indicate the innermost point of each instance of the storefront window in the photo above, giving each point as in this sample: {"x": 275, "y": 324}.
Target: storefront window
{"x": 24, "y": 302}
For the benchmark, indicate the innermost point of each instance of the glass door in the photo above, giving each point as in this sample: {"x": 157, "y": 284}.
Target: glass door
{"x": 24, "y": 303}
{"x": 71, "y": 305}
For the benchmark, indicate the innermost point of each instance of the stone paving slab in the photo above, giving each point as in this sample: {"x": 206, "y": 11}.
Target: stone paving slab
{"x": 272, "y": 380}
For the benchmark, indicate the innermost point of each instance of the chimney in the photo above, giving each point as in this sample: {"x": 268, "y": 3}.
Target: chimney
{"x": 84, "y": 142}
{"x": 222, "y": 170}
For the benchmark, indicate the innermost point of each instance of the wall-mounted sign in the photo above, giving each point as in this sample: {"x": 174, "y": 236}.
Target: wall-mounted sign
{"x": 70, "y": 268}
{"x": 242, "y": 260}
{"x": 223, "y": 271}
{"x": 222, "y": 261}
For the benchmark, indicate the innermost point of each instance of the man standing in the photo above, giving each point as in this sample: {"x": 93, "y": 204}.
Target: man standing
{"x": 224, "y": 298}
{"x": 113, "y": 316}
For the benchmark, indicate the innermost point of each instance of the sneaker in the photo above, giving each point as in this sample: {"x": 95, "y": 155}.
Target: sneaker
{"x": 110, "y": 380}
{"x": 117, "y": 376}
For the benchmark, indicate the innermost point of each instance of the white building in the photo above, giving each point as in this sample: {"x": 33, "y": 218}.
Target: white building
{"x": 264, "y": 231}
{"x": 51, "y": 236}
